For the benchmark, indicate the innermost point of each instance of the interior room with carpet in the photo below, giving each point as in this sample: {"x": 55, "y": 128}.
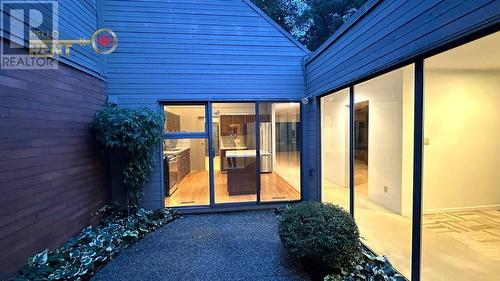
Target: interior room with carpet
{"x": 461, "y": 185}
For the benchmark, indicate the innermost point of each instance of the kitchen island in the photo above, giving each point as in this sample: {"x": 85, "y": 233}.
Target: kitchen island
{"x": 223, "y": 150}
{"x": 242, "y": 171}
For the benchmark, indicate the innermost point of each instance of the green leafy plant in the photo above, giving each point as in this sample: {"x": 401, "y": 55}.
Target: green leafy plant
{"x": 89, "y": 251}
{"x": 323, "y": 237}
{"x": 134, "y": 134}
{"x": 368, "y": 267}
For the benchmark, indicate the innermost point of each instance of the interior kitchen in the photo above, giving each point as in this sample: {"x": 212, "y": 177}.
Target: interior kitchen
{"x": 234, "y": 137}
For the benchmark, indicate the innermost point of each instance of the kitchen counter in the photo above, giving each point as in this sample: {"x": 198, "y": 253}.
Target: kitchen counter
{"x": 232, "y": 147}
{"x": 245, "y": 153}
{"x": 224, "y": 150}
{"x": 177, "y": 151}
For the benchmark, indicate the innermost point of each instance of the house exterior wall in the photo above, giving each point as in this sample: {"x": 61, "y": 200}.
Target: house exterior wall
{"x": 81, "y": 18}
{"x": 310, "y": 154}
{"x": 197, "y": 50}
{"x": 381, "y": 36}
{"x": 52, "y": 176}
{"x": 391, "y": 33}
{"x": 77, "y": 19}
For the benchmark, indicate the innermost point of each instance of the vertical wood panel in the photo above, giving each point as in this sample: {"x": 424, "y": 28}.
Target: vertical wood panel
{"x": 52, "y": 175}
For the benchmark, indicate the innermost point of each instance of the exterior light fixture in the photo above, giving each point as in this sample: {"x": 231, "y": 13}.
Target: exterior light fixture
{"x": 307, "y": 100}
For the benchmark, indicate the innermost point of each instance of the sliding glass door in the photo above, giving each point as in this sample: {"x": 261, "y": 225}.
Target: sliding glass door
{"x": 235, "y": 159}
{"x": 423, "y": 162}
{"x": 230, "y": 153}
{"x": 185, "y": 156}
{"x": 279, "y": 151}
{"x": 335, "y": 148}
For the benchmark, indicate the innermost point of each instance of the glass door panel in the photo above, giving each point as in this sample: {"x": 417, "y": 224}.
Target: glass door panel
{"x": 383, "y": 164}
{"x": 461, "y": 153}
{"x": 235, "y": 165}
{"x": 185, "y": 172}
{"x": 335, "y": 148}
{"x": 279, "y": 151}
{"x": 185, "y": 156}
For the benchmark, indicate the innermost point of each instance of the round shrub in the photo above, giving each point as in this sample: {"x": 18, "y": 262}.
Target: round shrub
{"x": 323, "y": 237}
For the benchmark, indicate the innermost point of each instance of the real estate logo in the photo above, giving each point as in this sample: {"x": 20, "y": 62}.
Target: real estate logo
{"x": 23, "y": 21}
{"x": 31, "y": 40}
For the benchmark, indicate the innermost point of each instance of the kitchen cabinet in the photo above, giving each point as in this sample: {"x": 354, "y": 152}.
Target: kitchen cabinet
{"x": 184, "y": 163}
{"x": 172, "y": 122}
{"x": 176, "y": 166}
{"x": 263, "y": 118}
{"x": 232, "y": 125}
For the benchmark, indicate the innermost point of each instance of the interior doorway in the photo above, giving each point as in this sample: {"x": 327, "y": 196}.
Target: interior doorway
{"x": 361, "y": 125}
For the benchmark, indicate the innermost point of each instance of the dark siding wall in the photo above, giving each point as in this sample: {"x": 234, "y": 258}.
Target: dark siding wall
{"x": 311, "y": 144}
{"x": 393, "y": 32}
{"x": 197, "y": 50}
{"x": 52, "y": 175}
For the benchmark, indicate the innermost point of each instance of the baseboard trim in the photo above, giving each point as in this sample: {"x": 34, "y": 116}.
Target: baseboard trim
{"x": 462, "y": 209}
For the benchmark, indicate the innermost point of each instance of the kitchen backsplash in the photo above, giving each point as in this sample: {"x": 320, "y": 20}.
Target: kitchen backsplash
{"x": 175, "y": 143}
{"x": 232, "y": 141}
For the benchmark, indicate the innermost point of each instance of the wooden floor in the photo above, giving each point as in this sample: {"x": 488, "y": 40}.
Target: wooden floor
{"x": 193, "y": 190}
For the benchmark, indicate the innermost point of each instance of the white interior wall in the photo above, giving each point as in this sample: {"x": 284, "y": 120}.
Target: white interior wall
{"x": 334, "y": 138}
{"x": 385, "y": 137}
{"x": 408, "y": 140}
{"x": 461, "y": 121}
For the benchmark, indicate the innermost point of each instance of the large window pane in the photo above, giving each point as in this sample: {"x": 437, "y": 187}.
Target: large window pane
{"x": 235, "y": 165}
{"x": 280, "y": 151}
{"x": 185, "y": 172}
{"x": 461, "y": 180}
{"x": 184, "y": 118}
{"x": 383, "y": 164}
{"x": 335, "y": 148}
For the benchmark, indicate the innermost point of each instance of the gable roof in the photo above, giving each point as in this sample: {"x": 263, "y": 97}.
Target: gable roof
{"x": 277, "y": 26}
{"x": 362, "y": 11}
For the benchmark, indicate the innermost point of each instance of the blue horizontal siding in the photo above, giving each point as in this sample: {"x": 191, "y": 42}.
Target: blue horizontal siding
{"x": 199, "y": 49}
{"x": 77, "y": 19}
{"x": 393, "y": 32}
{"x": 382, "y": 35}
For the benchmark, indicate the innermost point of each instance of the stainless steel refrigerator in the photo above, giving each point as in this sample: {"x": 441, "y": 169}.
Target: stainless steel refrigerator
{"x": 266, "y": 144}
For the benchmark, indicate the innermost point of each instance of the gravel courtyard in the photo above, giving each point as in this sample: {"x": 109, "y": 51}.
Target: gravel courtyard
{"x": 219, "y": 246}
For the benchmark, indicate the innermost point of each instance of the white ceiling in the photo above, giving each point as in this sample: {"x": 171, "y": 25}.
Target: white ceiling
{"x": 481, "y": 54}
